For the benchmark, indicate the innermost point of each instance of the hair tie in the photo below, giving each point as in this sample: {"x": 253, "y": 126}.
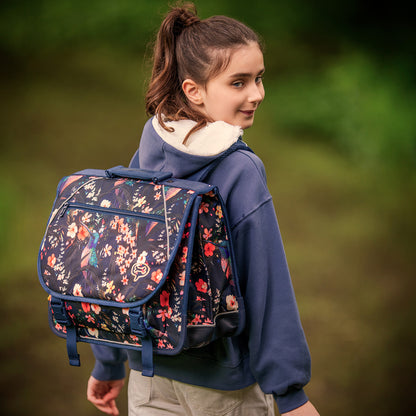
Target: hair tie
{"x": 183, "y": 20}
{"x": 191, "y": 20}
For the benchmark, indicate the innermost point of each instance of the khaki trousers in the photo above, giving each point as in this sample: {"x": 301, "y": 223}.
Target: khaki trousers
{"x": 159, "y": 396}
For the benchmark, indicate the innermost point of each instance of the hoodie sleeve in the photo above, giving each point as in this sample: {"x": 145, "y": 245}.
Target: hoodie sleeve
{"x": 279, "y": 355}
{"x": 109, "y": 363}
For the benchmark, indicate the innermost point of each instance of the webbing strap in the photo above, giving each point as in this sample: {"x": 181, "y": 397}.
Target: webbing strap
{"x": 61, "y": 316}
{"x": 238, "y": 145}
{"x": 147, "y": 357}
{"x": 139, "y": 327}
{"x": 71, "y": 346}
{"x": 205, "y": 171}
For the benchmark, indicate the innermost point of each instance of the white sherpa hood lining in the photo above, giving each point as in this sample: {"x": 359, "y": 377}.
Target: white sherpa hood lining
{"x": 211, "y": 140}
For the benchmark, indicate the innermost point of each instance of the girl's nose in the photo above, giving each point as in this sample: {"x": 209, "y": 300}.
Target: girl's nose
{"x": 256, "y": 93}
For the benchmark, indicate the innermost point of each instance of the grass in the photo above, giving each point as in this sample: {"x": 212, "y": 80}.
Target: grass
{"x": 348, "y": 235}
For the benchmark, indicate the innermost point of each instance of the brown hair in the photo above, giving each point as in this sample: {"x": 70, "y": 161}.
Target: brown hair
{"x": 187, "y": 47}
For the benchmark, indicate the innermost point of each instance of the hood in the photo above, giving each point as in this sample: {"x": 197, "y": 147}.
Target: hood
{"x": 163, "y": 150}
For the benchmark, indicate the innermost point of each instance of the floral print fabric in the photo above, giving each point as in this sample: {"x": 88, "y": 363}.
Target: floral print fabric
{"x": 107, "y": 239}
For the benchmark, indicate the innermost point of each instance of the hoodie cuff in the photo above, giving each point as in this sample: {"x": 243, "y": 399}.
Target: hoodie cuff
{"x": 291, "y": 400}
{"x": 106, "y": 372}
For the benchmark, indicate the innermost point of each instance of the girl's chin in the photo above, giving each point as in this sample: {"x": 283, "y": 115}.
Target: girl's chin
{"x": 246, "y": 123}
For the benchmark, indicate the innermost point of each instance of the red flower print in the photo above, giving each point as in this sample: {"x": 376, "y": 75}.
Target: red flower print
{"x": 203, "y": 207}
{"x": 209, "y": 249}
{"x": 162, "y": 314}
{"x": 164, "y": 298}
{"x": 51, "y": 260}
{"x": 201, "y": 286}
{"x": 196, "y": 320}
{"x": 90, "y": 318}
{"x": 184, "y": 254}
{"x": 82, "y": 233}
{"x": 86, "y": 307}
{"x": 157, "y": 276}
{"x": 207, "y": 233}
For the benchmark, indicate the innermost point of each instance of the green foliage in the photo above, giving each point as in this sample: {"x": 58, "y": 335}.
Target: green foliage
{"x": 351, "y": 96}
{"x": 28, "y": 26}
{"x": 363, "y": 108}
{"x": 33, "y": 26}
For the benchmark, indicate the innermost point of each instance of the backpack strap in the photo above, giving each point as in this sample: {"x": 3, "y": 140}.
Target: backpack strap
{"x": 209, "y": 168}
{"x": 139, "y": 326}
{"x": 238, "y": 145}
{"x": 61, "y": 316}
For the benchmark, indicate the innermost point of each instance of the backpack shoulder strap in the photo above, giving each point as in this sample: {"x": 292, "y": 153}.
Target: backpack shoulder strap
{"x": 238, "y": 145}
{"x": 209, "y": 168}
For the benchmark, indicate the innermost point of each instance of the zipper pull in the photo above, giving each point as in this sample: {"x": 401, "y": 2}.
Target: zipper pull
{"x": 62, "y": 210}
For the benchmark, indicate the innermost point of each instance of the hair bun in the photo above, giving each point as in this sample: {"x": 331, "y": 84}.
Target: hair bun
{"x": 190, "y": 19}
{"x": 184, "y": 17}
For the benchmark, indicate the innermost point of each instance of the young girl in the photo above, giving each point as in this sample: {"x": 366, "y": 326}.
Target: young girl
{"x": 205, "y": 88}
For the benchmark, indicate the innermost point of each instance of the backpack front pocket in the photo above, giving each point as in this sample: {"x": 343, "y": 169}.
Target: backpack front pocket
{"x": 104, "y": 253}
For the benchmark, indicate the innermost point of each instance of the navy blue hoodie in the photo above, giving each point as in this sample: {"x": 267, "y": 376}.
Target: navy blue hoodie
{"x": 272, "y": 350}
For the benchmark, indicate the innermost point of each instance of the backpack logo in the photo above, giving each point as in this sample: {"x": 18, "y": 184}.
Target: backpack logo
{"x": 140, "y": 268}
{"x": 139, "y": 271}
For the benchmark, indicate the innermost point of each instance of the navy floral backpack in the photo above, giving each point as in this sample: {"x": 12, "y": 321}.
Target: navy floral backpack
{"x": 137, "y": 259}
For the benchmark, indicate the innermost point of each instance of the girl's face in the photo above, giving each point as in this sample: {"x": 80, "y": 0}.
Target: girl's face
{"x": 234, "y": 95}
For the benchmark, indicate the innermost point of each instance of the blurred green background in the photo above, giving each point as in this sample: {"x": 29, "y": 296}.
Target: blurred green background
{"x": 337, "y": 134}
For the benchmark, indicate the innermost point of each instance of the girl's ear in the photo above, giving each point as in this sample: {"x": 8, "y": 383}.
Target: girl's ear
{"x": 193, "y": 92}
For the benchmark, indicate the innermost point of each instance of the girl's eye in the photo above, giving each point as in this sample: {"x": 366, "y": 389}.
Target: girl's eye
{"x": 238, "y": 84}
{"x": 259, "y": 79}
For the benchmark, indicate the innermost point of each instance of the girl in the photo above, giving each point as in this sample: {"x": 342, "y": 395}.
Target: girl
{"x": 205, "y": 87}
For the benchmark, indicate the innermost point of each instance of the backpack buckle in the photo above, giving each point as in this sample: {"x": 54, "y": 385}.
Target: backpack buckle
{"x": 59, "y": 311}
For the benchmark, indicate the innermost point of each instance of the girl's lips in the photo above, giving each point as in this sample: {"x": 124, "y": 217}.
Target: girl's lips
{"x": 247, "y": 113}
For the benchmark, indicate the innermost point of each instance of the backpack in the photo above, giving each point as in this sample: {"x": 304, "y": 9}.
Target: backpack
{"x": 137, "y": 259}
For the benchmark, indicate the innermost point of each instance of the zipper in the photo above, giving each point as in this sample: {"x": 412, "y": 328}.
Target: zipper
{"x": 116, "y": 211}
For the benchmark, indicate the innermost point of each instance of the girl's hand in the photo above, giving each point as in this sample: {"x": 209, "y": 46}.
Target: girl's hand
{"x": 103, "y": 394}
{"x": 305, "y": 410}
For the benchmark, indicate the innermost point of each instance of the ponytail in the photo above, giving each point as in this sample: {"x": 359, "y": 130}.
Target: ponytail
{"x": 187, "y": 47}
